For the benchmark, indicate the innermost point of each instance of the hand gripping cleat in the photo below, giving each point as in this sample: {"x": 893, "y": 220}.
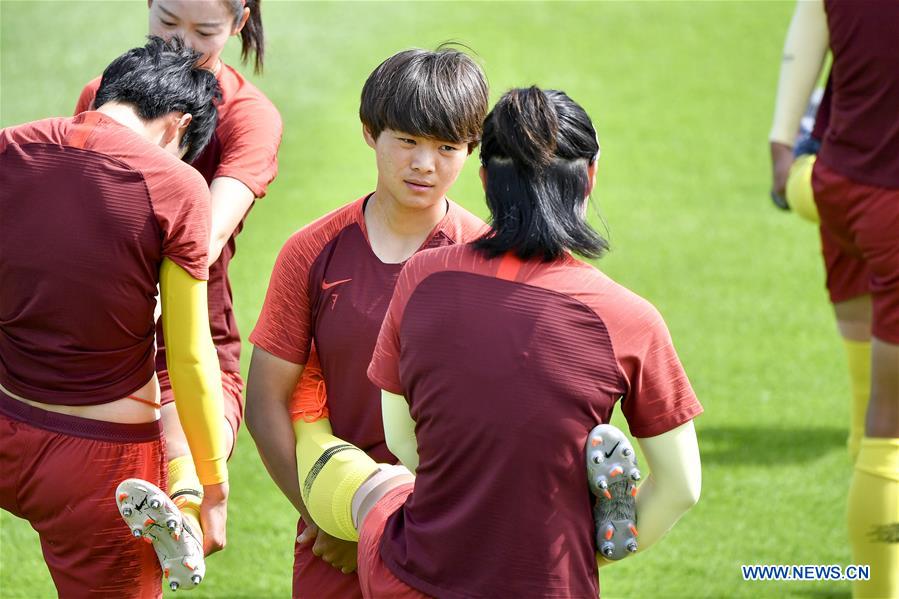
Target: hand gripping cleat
{"x": 155, "y": 518}
{"x": 609, "y": 455}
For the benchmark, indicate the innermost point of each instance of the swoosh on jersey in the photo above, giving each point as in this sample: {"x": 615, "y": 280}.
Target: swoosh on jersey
{"x": 327, "y": 285}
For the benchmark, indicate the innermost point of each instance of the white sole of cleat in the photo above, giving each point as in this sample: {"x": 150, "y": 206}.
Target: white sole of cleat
{"x": 154, "y": 518}
{"x": 612, "y": 475}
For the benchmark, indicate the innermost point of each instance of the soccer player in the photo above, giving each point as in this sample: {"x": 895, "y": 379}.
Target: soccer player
{"x": 856, "y": 189}
{"x": 497, "y": 358}
{"x": 238, "y": 165}
{"x": 422, "y": 113}
{"x": 96, "y": 211}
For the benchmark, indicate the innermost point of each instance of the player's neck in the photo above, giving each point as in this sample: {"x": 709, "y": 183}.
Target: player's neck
{"x": 125, "y": 115}
{"x": 395, "y": 232}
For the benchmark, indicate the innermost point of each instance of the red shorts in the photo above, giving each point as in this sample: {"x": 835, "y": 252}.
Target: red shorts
{"x": 60, "y": 473}
{"x": 314, "y": 578}
{"x": 860, "y": 243}
{"x": 376, "y": 578}
{"x": 232, "y": 391}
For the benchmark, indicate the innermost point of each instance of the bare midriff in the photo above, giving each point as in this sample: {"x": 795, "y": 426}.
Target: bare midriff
{"x": 140, "y": 407}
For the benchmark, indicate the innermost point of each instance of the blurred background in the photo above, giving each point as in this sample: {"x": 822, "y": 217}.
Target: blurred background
{"x": 681, "y": 94}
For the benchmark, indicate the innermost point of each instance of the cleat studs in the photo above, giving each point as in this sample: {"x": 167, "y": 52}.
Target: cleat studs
{"x": 634, "y": 491}
{"x": 635, "y": 475}
{"x": 149, "y": 522}
{"x": 610, "y": 530}
{"x": 127, "y": 511}
{"x": 607, "y": 494}
{"x": 602, "y": 484}
{"x": 171, "y": 524}
{"x": 166, "y": 573}
{"x": 155, "y": 504}
{"x": 176, "y": 537}
{"x": 597, "y": 457}
{"x": 188, "y": 565}
{"x": 595, "y": 441}
{"x": 137, "y": 533}
{"x": 616, "y": 471}
{"x": 123, "y": 497}
{"x": 633, "y": 529}
{"x": 174, "y": 585}
{"x": 626, "y": 452}
{"x": 196, "y": 579}
{"x": 607, "y": 549}
{"x": 631, "y": 546}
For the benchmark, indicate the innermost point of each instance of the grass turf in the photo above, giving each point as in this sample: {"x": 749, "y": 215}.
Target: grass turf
{"x": 681, "y": 94}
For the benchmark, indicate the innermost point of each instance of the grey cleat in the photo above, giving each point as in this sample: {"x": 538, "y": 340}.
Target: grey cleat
{"x": 155, "y": 518}
{"x": 611, "y": 475}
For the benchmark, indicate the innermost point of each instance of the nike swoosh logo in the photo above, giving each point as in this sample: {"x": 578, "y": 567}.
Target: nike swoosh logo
{"x": 327, "y": 285}
{"x": 611, "y": 451}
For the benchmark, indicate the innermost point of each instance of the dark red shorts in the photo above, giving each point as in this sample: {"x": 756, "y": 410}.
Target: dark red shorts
{"x": 376, "y": 578}
{"x": 60, "y": 473}
{"x": 860, "y": 243}
{"x": 314, "y": 578}
{"x": 232, "y": 391}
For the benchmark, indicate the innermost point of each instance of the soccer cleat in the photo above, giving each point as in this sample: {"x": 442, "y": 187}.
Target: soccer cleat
{"x": 154, "y": 518}
{"x": 612, "y": 475}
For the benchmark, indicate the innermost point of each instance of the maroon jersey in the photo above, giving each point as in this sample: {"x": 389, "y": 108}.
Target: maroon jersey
{"x": 88, "y": 210}
{"x": 329, "y": 286}
{"x": 244, "y": 147}
{"x": 862, "y": 138}
{"x": 506, "y": 366}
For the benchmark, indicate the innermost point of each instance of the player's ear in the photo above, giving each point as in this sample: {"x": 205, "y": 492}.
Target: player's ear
{"x": 369, "y": 138}
{"x": 243, "y": 21}
{"x": 591, "y": 176}
{"x": 483, "y": 174}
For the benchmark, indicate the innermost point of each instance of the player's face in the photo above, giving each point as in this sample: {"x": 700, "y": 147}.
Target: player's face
{"x": 416, "y": 171}
{"x": 204, "y": 25}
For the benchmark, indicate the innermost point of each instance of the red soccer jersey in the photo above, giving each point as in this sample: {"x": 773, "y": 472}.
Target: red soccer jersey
{"x": 862, "y": 138}
{"x": 244, "y": 147}
{"x": 88, "y": 210}
{"x": 506, "y": 366}
{"x": 330, "y": 287}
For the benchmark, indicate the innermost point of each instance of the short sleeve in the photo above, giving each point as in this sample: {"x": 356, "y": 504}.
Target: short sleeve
{"x": 659, "y": 396}
{"x": 250, "y": 139}
{"x": 180, "y": 201}
{"x": 384, "y": 369}
{"x": 86, "y": 99}
{"x": 284, "y": 325}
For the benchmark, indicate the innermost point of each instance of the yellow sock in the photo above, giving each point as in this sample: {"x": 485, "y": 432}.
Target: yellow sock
{"x": 874, "y": 517}
{"x": 186, "y": 491}
{"x": 330, "y": 472}
{"x": 858, "y": 358}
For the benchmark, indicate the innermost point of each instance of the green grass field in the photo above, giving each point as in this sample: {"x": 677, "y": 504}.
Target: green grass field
{"x": 681, "y": 94}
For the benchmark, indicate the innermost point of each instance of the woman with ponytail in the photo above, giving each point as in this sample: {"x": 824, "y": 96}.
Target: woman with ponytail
{"x": 238, "y": 164}
{"x": 497, "y": 359}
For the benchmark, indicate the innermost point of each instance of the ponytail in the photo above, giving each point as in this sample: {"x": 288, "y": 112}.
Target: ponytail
{"x": 252, "y": 37}
{"x": 536, "y": 149}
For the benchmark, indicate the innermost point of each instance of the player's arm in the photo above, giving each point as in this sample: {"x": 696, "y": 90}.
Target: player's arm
{"x": 196, "y": 381}
{"x": 803, "y": 56}
{"x": 399, "y": 429}
{"x": 231, "y": 200}
{"x": 270, "y": 384}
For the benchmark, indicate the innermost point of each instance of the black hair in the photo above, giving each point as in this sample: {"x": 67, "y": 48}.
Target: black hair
{"x": 536, "y": 148}
{"x": 440, "y": 94}
{"x": 252, "y": 37}
{"x": 163, "y": 77}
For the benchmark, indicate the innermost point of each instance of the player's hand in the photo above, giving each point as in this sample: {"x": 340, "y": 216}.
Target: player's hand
{"x": 213, "y": 517}
{"x": 309, "y": 533}
{"x": 781, "y": 160}
{"x": 337, "y": 552}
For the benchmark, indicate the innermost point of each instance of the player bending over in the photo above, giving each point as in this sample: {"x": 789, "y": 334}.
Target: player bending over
{"x": 238, "y": 165}
{"x": 497, "y": 358}
{"x": 98, "y": 210}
